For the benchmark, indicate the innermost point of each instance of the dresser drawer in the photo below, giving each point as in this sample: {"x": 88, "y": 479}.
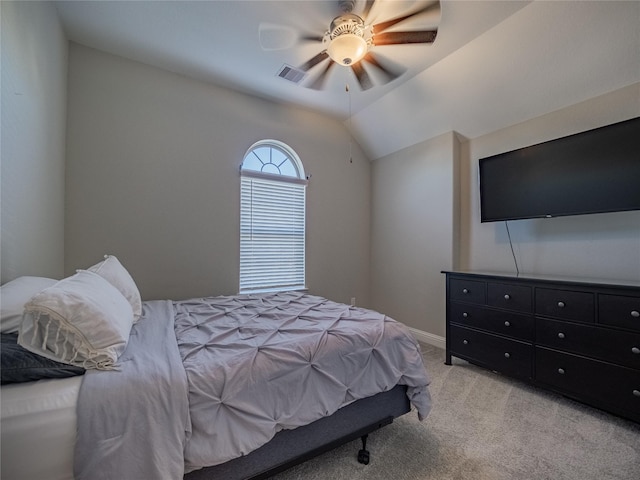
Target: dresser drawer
{"x": 619, "y": 311}
{"x": 505, "y": 323}
{"x": 471, "y": 291}
{"x": 565, "y": 304}
{"x": 596, "y": 382}
{"x": 509, "y": 296}
{"x": 610, "y": 345}
{"x": 497, "y": 353}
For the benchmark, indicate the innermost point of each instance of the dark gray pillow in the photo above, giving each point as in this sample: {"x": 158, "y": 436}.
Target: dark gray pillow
{"x": 21, "y": 365}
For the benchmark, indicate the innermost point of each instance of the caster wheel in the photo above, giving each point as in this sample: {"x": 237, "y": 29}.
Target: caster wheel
{"x": 363, "y": 457}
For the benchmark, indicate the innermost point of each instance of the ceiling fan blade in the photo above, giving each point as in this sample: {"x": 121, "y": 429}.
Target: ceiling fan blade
{"x": 390, "y": 71}
{"x": 311, "y": 38}
{"x": 381, "y": 27}
{"x": 363, "y": 77}
{"x": 367, "y": 8}
{"x": 309, "y": 64}
{"x": 272, "y": 36}
{"x": 320, "y": 80}
{"x": 400, "y": 38}
{"x": 276, "y": 37}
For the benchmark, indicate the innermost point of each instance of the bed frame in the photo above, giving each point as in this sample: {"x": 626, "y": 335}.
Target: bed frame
{"x": 291, "y": 447}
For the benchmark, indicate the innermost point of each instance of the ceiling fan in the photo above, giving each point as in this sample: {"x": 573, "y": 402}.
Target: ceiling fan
{"x": 350, "y": 42}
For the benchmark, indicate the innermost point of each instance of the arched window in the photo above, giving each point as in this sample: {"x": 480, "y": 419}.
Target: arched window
{"x": 272, "y": 219}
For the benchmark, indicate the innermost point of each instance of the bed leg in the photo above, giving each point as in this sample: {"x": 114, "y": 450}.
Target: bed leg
{"x": 363, "y": 455}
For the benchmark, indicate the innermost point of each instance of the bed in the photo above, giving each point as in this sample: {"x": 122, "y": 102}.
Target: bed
{"x": 226, "y": 387}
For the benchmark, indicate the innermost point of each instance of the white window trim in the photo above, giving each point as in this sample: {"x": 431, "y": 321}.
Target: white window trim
{"x": 255, "y": 185}
{"x": 273, "y": 176}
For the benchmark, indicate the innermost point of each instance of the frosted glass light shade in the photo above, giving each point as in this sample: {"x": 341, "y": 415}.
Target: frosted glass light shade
{"x": 347, "y": 49}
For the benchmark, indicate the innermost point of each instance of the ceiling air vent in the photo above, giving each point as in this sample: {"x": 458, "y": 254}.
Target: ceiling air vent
{"x": 291, "y": 73}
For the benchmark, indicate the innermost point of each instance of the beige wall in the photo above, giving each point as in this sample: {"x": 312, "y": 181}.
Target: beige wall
{"x": 34, "y": 70}
{"x": 153, "y": 177}
{"x": 601, "y": 246}
{"x": 414, "y": 222}
{"x": 425, "y": 218}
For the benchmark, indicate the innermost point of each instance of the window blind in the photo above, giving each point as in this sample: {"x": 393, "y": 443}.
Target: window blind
{"x": 272, "y": 235}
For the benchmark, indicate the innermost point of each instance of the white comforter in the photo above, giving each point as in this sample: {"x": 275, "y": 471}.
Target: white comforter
{"x": 254, "y": 364}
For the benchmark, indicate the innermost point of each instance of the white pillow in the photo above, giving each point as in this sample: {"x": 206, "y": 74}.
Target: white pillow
{"x": 82, "y": 320}
{"x": 13, "y": 296}
{"x": 112, "y": 270}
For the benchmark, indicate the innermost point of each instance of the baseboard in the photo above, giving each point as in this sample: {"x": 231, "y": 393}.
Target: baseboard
{"x": 429, "y": 338}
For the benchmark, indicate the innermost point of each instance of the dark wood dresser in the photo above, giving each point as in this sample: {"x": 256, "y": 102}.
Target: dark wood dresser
{"x": 580, "y": 339}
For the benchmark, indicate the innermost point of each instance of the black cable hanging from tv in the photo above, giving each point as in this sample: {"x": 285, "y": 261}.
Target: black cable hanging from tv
{"x": 506, "y": 223}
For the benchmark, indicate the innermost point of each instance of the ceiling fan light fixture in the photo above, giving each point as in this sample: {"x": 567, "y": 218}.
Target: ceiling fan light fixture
{"x": 347, "y": 49}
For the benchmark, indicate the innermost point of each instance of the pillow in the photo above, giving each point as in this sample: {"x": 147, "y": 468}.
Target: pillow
{"x": 13, "y": 296}
{"x": 82, "y": 320}
{"x": 19, "y": 365}
{"x": 112, "y": 270}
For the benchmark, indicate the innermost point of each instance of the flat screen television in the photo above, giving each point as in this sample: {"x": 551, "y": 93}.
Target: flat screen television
{"x": 595, "y": 171}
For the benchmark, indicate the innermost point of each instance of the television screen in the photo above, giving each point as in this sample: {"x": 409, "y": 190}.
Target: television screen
{"x": 590, "y": 172}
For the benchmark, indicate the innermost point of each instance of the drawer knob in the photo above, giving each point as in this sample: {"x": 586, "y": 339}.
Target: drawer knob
{"x": 561, "y": 371}
{"x": 636, "y": 393}
{"x": 507, "y": 297}
{"x": 507, "y": 323}
{"x": 465, "y": 342}
{"x": 465, "y": 291}
{"x": 635, "y": 350}
{"x": 560, "y": 304}
{"x": 507, "y": 355}
{"x": 465, "y": 314}
{"x": 561, "y": 335}
{"x": 635, "y": 314}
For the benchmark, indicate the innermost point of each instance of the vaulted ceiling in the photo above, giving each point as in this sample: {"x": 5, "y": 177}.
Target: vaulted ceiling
{"x": 493, "y": 63}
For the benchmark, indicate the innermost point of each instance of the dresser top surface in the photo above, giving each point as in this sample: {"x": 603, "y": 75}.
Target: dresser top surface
{"x": 546, "y": 278}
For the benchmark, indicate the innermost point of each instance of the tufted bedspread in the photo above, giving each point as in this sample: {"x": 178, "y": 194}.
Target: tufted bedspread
{"x": 206, "y": 380}
{"x": 257, "y": 364}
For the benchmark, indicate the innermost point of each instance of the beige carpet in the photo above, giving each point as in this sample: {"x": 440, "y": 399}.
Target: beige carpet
{"x": 487, "y": 427}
